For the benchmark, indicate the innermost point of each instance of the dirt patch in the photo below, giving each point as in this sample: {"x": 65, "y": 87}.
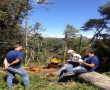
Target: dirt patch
{"x": 1, "y": 68}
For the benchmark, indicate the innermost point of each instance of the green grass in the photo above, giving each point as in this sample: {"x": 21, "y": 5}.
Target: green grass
{"x": 39, "y": 82}
{"x": 106, "y": 74}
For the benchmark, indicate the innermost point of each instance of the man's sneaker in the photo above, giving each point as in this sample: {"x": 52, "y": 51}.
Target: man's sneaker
{"x": 52, "y": 75}
{"x": 56, "y": 73}
{"x": 68, "y": 74}
{"x": 55, "y": 81}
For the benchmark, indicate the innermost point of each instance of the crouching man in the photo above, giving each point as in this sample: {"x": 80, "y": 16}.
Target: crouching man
{"x": 70, "y": 64}
{"x": 12, "y": 63}
{"x": 89, "y": 64}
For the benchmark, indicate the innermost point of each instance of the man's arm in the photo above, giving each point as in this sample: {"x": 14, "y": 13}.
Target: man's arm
{"x": 6, "y": 64}
{"x": 89, "y": 65}
{"x": 18, "y": 58}
{"x": 14, "y": 62}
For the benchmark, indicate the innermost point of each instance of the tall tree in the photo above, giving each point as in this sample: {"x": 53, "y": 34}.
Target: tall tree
{"x": 69, "y": 32}
{"x": 96, "y": 25}
{"x": 12, "y": 13}
{"x": 104, "y": 10}
{"x": 104, "y": 45}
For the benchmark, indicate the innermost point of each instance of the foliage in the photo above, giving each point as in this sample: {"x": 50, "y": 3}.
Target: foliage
{"x": 102, "y": 43}
{"x": 96, "y": 24}
{"x": 102, "y": 50}
{"x": 77, "y": 43}
{"x": 106, "y": 73}
{"x": 84, "y": 86}
{"x": 43, "y": 83}
{"x": 12, "y": 13}
{"x": 70, "y": 31}
{"x": 45, "y": 49}
{"x": 105, "y": 10}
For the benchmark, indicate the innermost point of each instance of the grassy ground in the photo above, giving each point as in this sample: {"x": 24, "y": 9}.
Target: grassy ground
{"x": 41, "y": 82}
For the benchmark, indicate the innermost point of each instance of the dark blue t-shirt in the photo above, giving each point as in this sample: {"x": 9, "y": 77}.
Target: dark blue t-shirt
{"x": 12, "y": 56}
{"x": 91, "y": 60}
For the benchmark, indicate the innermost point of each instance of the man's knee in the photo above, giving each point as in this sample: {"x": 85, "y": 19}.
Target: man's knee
{"x": 10, "y": 75}
{"x": 79, "y": 70}
{"x": 10, "y": 78}
{"x": 24, "y": 74}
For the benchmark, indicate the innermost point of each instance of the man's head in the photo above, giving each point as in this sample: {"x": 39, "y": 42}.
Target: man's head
{"x": 17, "y": 47}
{"x": 71, "y": 52}
{"x": 89, "y": 51}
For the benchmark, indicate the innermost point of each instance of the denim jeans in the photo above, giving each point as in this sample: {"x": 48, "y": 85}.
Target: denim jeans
{"x": 70, "y": 65}
{"x": 75, "y": 70}
{"x": 11, "y": 75}
{"x": 79, "y": 69}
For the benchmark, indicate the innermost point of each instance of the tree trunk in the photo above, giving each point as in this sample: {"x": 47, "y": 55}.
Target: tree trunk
{"x": 65, "y": 50}
{"x": 64, "y": 56}
{"x": 26, "y": 32}
{"x": 26, "y": 51}
{"x": 96, "y": 79}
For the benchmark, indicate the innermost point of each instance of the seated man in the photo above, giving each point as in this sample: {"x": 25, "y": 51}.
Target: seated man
{"x": 89, "y": 64}
{"x": 70, "y": 64}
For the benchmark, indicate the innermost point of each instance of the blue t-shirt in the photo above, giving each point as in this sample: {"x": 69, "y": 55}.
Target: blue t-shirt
{"x": 91, "y": 60}
{"x": 12, "y": 56}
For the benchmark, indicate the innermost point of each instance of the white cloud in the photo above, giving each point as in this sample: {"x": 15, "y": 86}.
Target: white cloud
{"x": 53, "y": 36}
{"x": 60, "y": 36}
{"x": 89, "y": 36}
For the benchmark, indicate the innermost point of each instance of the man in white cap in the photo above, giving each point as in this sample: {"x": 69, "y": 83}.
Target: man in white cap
{"x": 70, "y": 64}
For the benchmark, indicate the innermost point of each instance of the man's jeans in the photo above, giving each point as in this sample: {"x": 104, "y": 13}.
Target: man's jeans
{"x": 19, "y": 71}
{"x": 75, "y": 70}
{"x": 70, "y": 65}
{"x": 79, "y": 69}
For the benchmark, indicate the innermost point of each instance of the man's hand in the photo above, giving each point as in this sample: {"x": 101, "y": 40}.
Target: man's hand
{"x": 15, "y": 62}
{"x": 79, "y": 61}
{"x": 6, "y": 64}
{"x": 69, "y": 60}
{"x": 75, "y": 61}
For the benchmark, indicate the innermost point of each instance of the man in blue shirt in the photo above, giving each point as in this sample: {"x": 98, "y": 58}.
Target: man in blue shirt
{"x": 12, "y": 63}
{"x": 89, "y": 64}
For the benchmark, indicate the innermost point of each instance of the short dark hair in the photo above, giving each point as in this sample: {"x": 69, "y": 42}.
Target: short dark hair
{"x": 89, "y": 50}
{"x": 16, "y": 45}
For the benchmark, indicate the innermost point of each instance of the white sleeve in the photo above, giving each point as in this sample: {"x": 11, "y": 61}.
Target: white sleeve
{"x": 80, "y": 60}
{"x": 79, "y": 56}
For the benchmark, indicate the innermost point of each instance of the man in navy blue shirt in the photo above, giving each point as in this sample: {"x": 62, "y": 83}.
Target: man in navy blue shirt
{"x": 89, "y": 64}
{"x": 12, "y": 63}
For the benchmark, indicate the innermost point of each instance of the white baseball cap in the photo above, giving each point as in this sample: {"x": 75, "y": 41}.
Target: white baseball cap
{"x": 69, "y": 51}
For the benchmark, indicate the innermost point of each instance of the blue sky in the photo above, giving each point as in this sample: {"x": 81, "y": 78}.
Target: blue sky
{"x": 63, "y": 12}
